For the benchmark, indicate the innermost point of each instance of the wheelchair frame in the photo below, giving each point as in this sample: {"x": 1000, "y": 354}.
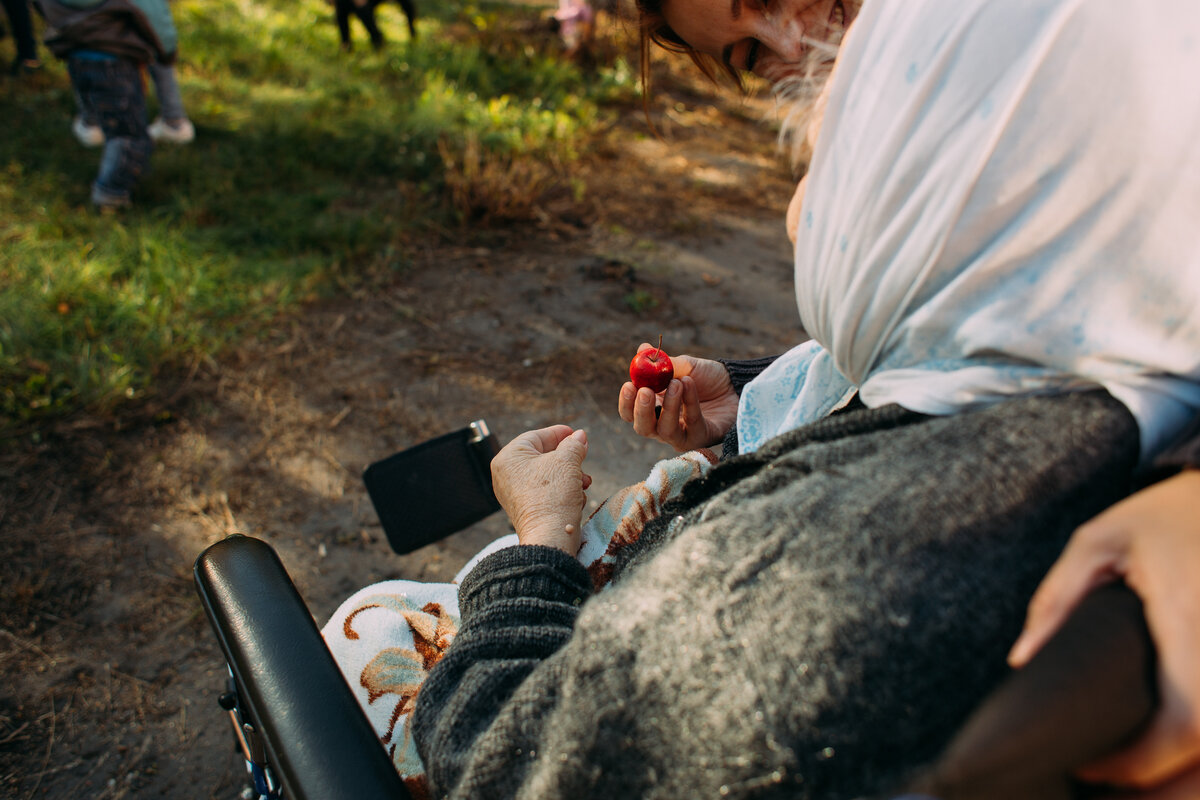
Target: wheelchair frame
{"x": 295, "y": 718}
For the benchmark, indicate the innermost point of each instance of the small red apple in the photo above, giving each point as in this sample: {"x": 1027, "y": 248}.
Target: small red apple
{"x": 652, "y": 367}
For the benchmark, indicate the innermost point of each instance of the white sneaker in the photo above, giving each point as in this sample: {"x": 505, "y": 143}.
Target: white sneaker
{"x": 181, "y": 133}
{"x": 88, "y": 135}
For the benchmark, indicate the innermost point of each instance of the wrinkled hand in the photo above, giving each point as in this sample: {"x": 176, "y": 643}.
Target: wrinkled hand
{"x": 698, "y": 407}
{"x": 1152, "y": 541}
{"x": 539, "y": 480}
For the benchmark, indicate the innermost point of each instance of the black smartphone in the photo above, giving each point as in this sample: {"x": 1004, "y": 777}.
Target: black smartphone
{"x": 435, "y": 488}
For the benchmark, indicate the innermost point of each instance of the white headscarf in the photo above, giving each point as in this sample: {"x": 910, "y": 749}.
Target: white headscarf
{"x": 1004, "y": 200}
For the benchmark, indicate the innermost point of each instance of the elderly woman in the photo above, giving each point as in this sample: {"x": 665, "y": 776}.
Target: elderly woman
{"x": 996, "y": 257}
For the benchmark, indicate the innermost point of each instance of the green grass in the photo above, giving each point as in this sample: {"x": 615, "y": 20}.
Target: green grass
{"x": 311, "y": 169}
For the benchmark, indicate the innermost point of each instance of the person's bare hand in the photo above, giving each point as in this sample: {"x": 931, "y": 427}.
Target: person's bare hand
{"x": 1152, "y": 541}
{"x": 698, "y": 407}
{"x": 539, "y": 480}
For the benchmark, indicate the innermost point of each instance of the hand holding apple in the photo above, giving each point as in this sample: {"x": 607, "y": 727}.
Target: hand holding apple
{"x": 699, "y": 405}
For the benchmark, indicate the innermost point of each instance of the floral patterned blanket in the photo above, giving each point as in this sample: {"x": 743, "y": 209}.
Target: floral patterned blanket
{"x": 387, "y": 636}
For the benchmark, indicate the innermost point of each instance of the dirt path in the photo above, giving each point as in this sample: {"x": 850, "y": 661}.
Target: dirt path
{"x": 112, "y": 671}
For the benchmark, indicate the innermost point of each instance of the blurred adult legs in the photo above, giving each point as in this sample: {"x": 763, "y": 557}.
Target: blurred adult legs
{"x": 21, "y": 20}
{"x": 365, "y": 11}
{"x": 410, "y": 11}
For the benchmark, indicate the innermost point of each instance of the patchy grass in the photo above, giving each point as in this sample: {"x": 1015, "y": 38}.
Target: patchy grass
{"x": 312, "y": 169}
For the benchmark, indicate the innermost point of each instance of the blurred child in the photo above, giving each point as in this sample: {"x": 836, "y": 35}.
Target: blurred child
{"x": 105, "y": 44}
{"x": 576, "y": 24}
{"x": 171, "y": 125}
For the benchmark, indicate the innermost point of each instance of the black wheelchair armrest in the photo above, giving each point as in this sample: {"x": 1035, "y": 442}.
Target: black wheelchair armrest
{"x": 317, "y": 738}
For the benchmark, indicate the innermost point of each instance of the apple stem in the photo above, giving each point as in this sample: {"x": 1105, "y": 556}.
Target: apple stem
{"x": 659, "y": 349}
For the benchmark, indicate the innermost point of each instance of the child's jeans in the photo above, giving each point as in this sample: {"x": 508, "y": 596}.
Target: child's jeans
{"x": 112, "y": 95}
{"x": 166, "y": 86}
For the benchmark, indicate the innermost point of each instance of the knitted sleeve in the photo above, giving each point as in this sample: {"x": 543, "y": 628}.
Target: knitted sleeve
{"x": 741, "y": 373}
{"x": 518, "y": 607}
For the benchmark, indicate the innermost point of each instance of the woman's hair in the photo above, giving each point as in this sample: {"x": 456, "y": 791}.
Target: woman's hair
{"x": 799, "y": 94}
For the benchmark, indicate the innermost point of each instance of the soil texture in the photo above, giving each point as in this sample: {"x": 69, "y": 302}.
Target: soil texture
{"x": 111, "y": 669}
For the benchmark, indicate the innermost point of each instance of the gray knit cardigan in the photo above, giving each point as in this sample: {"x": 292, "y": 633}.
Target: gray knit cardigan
{"x": 812, "y": 620}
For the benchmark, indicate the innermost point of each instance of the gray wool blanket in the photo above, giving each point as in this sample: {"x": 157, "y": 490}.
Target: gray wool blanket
{"x": 812, "y": 620}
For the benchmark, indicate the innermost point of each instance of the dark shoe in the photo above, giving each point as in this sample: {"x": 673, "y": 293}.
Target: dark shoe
{"x": 109, "y": 203}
